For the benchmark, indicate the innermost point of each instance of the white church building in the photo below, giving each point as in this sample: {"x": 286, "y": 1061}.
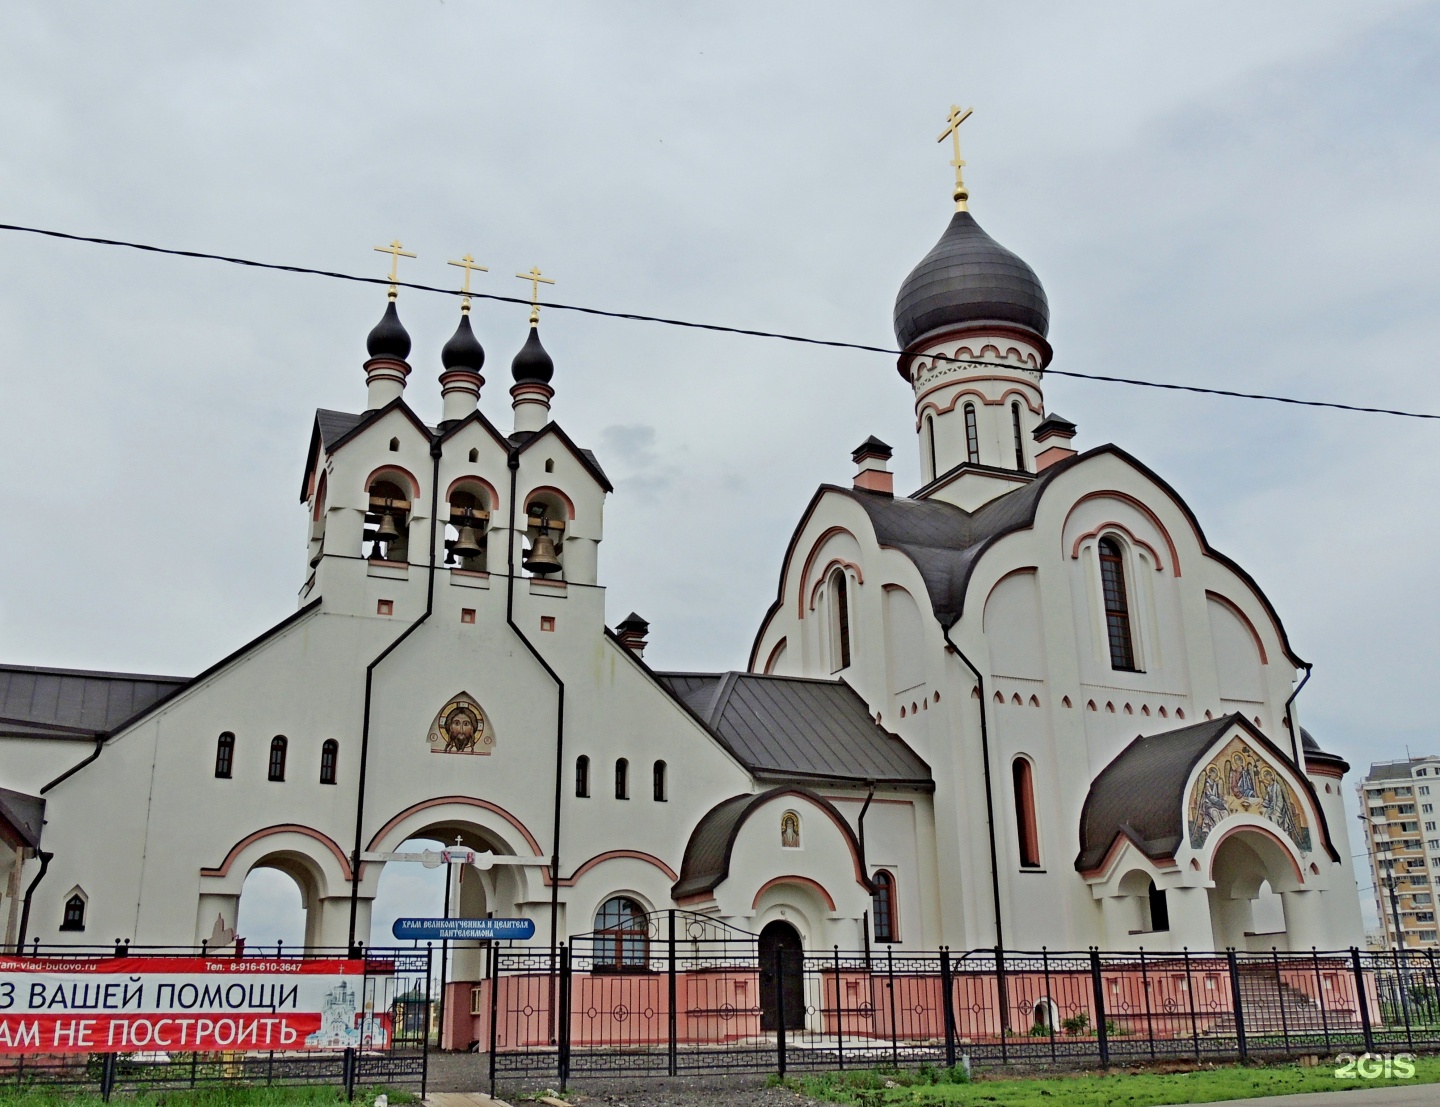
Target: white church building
{"x": 1024, "y": 704}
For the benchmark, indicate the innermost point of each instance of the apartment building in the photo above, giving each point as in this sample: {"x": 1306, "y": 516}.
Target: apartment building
{"x": 1398, "y": 804}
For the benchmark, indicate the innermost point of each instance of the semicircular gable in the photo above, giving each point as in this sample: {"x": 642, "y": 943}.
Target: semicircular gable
{"x": 706, "y": 864}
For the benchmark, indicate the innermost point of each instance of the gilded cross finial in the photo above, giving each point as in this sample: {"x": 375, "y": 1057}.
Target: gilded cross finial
{"x": 536, "y": 280}
{"x": 396, "y": 252}
{"x": 952, "y": 132}
{"x": 467, "y": 263}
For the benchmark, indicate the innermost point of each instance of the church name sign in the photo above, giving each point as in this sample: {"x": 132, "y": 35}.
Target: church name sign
{"x": 121, "y": 1004}
{"x": 463, "y": 930}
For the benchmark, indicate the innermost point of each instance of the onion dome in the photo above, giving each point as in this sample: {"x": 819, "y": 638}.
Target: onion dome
{"x": 532, "y": 363}
{"x": 969, "y": 278}
{"x": 463, "y": 351}
{"x": 389, "y": 338}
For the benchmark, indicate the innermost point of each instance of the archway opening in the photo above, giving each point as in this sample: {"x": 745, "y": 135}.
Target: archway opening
{"x": 1249, "y": 868}
{"x": 274, "y": 914}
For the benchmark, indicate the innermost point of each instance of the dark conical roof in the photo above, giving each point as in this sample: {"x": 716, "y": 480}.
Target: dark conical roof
{"x": 532, "y": 363}
{"x": 463, "y": 351}
{"x": 389, "y": 337}
{"x": 968, "y": 278}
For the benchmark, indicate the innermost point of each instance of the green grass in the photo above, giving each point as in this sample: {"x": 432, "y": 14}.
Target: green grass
{"x": 217, "y": 1095}
{"x": 1139, "y": 1089}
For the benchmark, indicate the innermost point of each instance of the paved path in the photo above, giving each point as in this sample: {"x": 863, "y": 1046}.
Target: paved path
{"x": 462, "y": 1099}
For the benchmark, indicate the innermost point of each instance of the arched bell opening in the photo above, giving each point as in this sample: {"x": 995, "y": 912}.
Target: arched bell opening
{"x": 1252, "y": 872}
{"x": 467, "y": 532}
{"x": 387, "y": 521}
{"x": 546, "y": 518}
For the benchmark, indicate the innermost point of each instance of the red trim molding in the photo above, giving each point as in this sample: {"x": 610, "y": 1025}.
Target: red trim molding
{"x": 1129, "y": 535}
{"x": 1234, "y": 609}
{"x": 465, "y": 801}
{"x": 1126, "y": 498}
{"x": 617, "y": 854}
{"x": 329, "y": 843}
{"x": 803, "y": 881}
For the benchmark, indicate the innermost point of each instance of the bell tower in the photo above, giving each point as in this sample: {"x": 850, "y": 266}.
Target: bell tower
{"x": 972, "y": 319}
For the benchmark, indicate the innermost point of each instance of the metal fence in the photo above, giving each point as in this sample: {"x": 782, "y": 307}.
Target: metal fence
{"x": 683, "y": 994}
{"x": 395, "y": 990}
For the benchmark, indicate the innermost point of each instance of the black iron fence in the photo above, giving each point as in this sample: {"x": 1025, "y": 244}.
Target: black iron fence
{"x": 392, "y": 1029}
{"x": 684, "y": 994}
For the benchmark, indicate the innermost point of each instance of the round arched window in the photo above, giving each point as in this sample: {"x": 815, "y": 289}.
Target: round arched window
{"x": 622, "y": 937}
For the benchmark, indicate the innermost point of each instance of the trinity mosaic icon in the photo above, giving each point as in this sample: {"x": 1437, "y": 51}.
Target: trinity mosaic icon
{"x": 462, "y": 727}
{"x": 1237, "y": 781}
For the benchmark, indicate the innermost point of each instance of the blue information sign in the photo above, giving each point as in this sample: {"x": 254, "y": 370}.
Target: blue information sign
{"x": 463, "y": 930}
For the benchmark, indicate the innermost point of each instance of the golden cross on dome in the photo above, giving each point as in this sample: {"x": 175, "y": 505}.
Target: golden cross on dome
{"x": 952, "y": 131}
{"x": 467, "y": 263}
{"x": 396, "y": 252}
{"x": 536, "y": 280}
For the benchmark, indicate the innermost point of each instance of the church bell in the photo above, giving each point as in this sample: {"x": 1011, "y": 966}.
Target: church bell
{"x": 387, "y": 532}
{"x": 541, "y": 560}
{"x": 467, "y": 545}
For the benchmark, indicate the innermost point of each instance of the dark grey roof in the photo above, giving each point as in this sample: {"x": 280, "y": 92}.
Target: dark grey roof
{"x": 798, "y": 729}
{"x": 968, "y": 278}
{"x": 335, "y": 425}
{"x": 945, "y": 541}
{"x": 74, "y": 703}
{"x": 707, "y": 853}
{"x": 1396, "y": 770}
{"x": 1141, "y": 794}
{"x": 1053, "y": 422}
{"x": 1314, "y": 755}
{"x": 25, "y": 815}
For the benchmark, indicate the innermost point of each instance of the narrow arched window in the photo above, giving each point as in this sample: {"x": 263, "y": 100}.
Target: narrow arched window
{"x": 225, "y": 755}
{"x": 278, "y": 746}
{"x": 972, "y": 436}
{"x": 622, "y": 779}
{"x": 582, "y": 776}
{"x": 1117, "y": 607}
{"x": 659, "y": 780}
{"x": 882, "y": 908}
{"x": 622, "y": 938}
{"x": 839, "y": 622}
{"x": 1028, "y": 838}
{"x": 1019, "y": 439}
{"x": 930, "y": 437}
{"x": 329, "y": 754}
{"x": 74, "y": 917}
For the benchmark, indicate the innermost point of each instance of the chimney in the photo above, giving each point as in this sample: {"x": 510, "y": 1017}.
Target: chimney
{"x": 872, "y": 467}
{"x": 632, "y": 633}
{"x": 1052, "y": 441}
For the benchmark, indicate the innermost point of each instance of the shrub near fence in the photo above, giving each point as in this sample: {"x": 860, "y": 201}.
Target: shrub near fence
{"x": 391, "y": 990}
{"x": 706, "y": 1000}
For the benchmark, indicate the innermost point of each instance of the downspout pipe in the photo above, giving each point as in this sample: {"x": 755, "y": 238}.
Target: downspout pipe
{"x": 513, "y": 462}
{"x": 860, "y": 828}
{"x": 1295, "y": 748}
{"x": 45, "y": 859}
{"x": 435, "y": 451}
{"x": 989, "y": 787}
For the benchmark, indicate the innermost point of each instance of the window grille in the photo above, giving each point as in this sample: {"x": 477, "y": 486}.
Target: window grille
{"x": 224, "y": 755}
{"x": 329, "y": 754}
{"x": 278, "y": 746}
{"x": 1117, "y": 607}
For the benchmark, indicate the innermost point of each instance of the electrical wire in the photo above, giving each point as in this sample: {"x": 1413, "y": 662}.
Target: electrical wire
{"x": 636, "y": 317}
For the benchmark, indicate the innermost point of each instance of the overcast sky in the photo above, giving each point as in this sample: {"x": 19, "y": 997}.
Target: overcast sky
{"x": 1229, "y": 194}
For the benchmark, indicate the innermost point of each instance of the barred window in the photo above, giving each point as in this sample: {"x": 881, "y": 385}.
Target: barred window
{"x": 659, "y": 792}
{"x": 972, "y": 436}
{"x": 582, "y": 776}
{"x": 622, "y": 779}
{"x": 622, "y": 939}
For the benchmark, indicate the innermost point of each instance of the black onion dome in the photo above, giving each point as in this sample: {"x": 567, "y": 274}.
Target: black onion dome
{"x": 968, "y": 278}
{"x": 463, "y": 351}
{"x": 389, "y": 338}
{"x": 532, "y": 363}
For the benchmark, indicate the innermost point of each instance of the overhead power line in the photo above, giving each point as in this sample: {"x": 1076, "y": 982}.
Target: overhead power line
{"x": 636, "y": 317}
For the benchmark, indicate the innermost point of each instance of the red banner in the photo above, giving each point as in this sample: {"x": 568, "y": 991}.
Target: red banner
{"x": 191, "y": 1004}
